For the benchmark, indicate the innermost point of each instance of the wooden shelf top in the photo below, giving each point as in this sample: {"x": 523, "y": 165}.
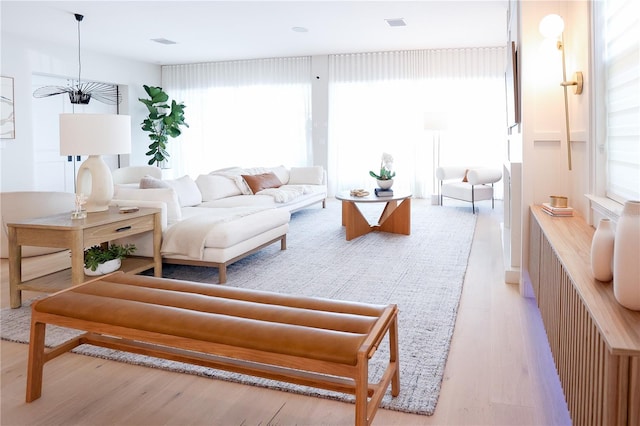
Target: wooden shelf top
{"x": 64, "y": 221}
{"x": 570, "y": 238}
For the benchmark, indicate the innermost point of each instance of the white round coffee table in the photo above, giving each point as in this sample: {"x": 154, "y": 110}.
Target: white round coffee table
{"x": 395, "y": 217}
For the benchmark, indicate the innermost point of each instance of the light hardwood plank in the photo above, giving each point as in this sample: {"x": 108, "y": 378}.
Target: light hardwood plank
{"x": 499, "y": 372}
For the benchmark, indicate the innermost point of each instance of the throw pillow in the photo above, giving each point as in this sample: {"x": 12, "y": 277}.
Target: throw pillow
{"x": 312, "y": 175}
{"x": 215, "y": 187}
{"x": 281, "y": 172}
{"x": 187, "y": 190}
{"x": 148, "y": 182}
{"x": 262, "y": 181}
{"x": 166, "y": 195}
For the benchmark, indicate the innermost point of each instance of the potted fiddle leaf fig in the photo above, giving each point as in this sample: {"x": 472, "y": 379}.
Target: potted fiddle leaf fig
{"x": 163, "y": 122}
{"x": 99, "y": 260}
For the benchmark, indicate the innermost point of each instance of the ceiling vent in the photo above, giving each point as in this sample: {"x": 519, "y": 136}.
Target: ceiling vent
{"x": 397, "y": 22}
{"x": 163, "y": 41}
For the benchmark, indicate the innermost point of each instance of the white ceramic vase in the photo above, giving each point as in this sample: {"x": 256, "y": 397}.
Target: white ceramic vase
{"x": 385, "y": 183}
{"x": 626, "y": 257}
{"x": 602, "y": 251}
{"x": 104, "y": 268}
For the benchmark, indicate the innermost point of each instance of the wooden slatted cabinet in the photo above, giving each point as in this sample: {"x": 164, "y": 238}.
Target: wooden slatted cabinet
{"x": 594, "y": 340}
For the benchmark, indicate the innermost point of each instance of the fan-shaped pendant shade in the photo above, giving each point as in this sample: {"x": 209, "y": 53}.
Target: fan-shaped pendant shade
{"x": 82, "y": 93}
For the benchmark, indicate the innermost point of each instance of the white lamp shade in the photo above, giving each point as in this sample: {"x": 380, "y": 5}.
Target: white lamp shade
{"x": 551, "y": 26}
{"x": 436, "y": 120}
{"x": 95, "y": 134}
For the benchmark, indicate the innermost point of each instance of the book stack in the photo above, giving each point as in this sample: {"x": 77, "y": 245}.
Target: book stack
{"x": 557, "y": 211}
{"x": 384, "y": 192}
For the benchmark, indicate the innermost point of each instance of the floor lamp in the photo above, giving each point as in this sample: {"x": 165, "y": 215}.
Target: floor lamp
{"x": 435, "y": 122}
{"x": 95, "y": 135}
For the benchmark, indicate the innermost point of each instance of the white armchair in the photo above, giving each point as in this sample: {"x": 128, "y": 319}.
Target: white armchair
{"x": 469, "y": 184}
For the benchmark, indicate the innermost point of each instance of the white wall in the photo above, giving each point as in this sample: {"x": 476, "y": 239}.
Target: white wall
{"x": 23, "y": 58}
{"x": 545, "y": 166}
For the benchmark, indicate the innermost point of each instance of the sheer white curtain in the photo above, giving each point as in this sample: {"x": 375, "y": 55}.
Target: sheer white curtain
{"x": 241, "y": 113}
{"x": 378, "y": 103}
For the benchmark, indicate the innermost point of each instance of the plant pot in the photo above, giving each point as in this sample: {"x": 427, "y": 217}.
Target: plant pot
{"x": 104, "y": 268}
{"x": 385, "y": 183}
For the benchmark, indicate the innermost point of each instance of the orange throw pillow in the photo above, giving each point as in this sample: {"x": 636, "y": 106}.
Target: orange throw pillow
{"x": 262, "y": 181}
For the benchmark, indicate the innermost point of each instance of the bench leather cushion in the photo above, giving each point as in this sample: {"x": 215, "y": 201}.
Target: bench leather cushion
{"x": 312, "y": 328}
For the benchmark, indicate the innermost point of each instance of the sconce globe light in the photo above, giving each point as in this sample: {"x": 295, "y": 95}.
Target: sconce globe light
{"x": 551, "y": 26}
{"x": 95, "y": 135}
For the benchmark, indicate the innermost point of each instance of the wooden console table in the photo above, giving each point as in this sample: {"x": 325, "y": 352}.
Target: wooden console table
{"x": 594, "y": 340}
{"x": 77, "y": 234}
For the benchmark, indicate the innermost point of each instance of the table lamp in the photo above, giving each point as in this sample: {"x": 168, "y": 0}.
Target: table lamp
{"x": 95, "y": 135}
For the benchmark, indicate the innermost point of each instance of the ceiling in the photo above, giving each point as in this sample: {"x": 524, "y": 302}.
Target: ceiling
{"x": 206, "y": 31}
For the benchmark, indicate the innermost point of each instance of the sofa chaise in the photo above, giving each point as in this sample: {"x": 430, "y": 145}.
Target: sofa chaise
{"x": 225, "y": 215}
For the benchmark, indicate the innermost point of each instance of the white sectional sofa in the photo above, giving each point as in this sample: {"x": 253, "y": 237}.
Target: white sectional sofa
{"x": 225, "y": 215}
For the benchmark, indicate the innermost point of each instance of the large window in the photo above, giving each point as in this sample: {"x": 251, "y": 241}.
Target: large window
{"x": 382, "y": 102}
{"x": 241, "y": 113}
{"x": 617, "y": 53}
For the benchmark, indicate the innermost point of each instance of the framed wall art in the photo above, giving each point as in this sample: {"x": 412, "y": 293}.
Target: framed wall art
{"x": 512, "y": 86}
{"x": 7, "y": 110}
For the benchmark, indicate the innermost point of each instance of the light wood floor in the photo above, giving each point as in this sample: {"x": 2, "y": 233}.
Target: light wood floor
{"x": 499, "y": 372}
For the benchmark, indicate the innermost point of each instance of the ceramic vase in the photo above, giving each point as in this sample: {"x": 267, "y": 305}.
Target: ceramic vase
{"x": 602, "y": 251}
{"x": 385, "y": 183}
{"x": 104, "y": 268}
{"x": 626, "y": 257}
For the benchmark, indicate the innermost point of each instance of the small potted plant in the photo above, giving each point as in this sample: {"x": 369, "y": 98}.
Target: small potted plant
{"x": 386, "y": 175}
{"x": 99, "y": 260}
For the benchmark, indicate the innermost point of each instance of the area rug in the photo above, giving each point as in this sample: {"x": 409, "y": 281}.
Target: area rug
{"x": 422, "y": 273}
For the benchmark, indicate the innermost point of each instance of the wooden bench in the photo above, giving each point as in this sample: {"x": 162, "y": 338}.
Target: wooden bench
{"x": 307, "y": 341}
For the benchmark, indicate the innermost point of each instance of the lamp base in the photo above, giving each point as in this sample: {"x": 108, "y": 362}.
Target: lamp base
{"x": 94, "y": 180}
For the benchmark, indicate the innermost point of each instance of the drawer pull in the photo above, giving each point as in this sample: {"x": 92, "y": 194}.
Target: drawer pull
{"x": 124, "y": 228}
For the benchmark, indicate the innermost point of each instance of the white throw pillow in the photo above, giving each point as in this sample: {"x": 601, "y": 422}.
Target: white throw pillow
{"x": 148, "y": 182}
{"x": 188, "y": 193}
{"x": 166, "y": 195}
{"x": 312, "y": 175}
{"x": 235, "y": 173}
{"x": 281, "y": 172}
{"x": 215, "y": 187}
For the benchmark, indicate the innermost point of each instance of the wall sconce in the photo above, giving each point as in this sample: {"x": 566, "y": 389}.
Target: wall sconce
{"x": 552, "y": 26}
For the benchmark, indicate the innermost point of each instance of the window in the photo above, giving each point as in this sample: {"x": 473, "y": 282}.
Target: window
{"x": 378, "y": 103}
{"x": 617, "y": 53}
{"x": 241, "y": 113}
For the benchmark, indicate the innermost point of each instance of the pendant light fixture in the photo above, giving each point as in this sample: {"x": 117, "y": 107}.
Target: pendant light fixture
{"x": 82, "y": 93}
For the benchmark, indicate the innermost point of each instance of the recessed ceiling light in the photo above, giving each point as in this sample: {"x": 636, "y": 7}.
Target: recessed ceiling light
{"x": 300, "y": 29}
{"x": 396, "y": 22}
{"x": 163, "y": 41}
